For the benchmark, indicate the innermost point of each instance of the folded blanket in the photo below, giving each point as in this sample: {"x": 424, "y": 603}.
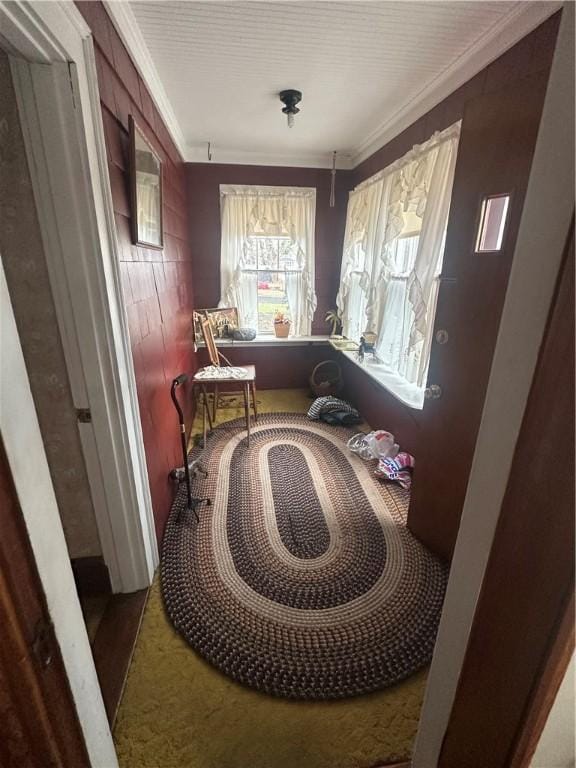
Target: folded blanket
{"x": 340, "y": 418}
{"x": 327, "y": 405}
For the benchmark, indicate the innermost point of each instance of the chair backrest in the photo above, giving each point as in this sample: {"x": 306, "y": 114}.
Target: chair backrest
{"x": 210, "y": 343}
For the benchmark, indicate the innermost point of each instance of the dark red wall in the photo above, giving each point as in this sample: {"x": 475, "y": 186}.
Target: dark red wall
{"x": 532, "y": 55}
{"x": 157, "y": 284}
{"x": 279, "y": 367}
{"x": 204, "y": 181}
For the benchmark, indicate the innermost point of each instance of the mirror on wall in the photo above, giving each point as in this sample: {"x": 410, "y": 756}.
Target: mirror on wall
{"x": 146, "y": 190}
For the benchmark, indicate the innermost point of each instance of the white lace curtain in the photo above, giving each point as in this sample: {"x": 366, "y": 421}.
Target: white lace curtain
{"x": 251, "y": 216}
{"x": 392, "y": 257}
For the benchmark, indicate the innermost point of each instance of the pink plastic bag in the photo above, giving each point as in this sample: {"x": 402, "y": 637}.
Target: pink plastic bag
{"x": 398, "y": 469}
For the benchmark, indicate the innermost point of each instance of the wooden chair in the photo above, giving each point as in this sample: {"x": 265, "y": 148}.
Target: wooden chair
{"x": 247, "y": 382}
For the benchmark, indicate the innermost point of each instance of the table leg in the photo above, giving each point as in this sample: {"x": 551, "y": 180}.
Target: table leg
{"x": 206, "y": 405}
{"x": 215, "y": 403}
{"x": 203, "y": 421}
{"x": 247, "y": 409}
{"x": 254, "y": 401}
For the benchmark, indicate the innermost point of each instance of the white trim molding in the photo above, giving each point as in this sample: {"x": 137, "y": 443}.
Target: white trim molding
{"x": 197, "y": 153}
{"x": 522, "y": 19}
{"x": 125, "y": 23}
{"x": 24, "y": 449}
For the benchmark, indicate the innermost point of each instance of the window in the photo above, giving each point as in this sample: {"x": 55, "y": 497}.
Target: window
{"x": 493, "y": 215}
{"x": 392, "y": 260}
{"x": 267, "y": 255}
{"x": 274, "y": 260}
{"x": 393, "y": 347}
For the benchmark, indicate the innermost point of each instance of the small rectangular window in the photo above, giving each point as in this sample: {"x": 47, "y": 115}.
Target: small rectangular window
{"x": 492, "y": 225}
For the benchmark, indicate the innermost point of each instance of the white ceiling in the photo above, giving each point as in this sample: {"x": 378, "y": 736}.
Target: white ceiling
{"x": 364, "y": 68}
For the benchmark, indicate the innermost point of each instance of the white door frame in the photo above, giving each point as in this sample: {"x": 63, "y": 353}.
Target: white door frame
{"x": 20, "y": 433}
{"x": 61, "y": 119}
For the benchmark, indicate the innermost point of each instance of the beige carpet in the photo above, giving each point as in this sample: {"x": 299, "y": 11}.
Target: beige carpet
{"x": 179, "y": 712}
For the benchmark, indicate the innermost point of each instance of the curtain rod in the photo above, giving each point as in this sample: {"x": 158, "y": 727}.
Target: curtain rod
{"x": 246, "y": 190}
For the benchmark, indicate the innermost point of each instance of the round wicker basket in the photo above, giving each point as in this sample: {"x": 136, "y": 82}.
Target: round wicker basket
{"x": 326, "y": 379}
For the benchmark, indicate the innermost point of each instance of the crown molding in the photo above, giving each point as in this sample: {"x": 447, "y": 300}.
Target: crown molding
{"x": 522, "y": 19}
{"x": 125, "y": 23}
{"x": 198, "y": 153}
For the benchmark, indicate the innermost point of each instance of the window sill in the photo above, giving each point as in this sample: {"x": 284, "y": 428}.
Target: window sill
{"x": 270, "y": 341}
{"x": 407, "y": 394}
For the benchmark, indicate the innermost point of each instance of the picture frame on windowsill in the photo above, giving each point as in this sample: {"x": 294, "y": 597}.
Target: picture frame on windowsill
{"x": 223, "y": 321}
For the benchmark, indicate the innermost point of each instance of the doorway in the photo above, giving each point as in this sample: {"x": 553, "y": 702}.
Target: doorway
{"x": 73, "y": 262}
{"x": 97, "y": 736}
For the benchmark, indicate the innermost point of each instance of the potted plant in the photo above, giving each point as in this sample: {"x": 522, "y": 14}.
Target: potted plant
{"x": 281, "y": 325}
{"x": 333, "y": 317}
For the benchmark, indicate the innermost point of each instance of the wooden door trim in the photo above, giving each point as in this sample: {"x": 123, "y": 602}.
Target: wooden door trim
{"x": 546, "y": 689}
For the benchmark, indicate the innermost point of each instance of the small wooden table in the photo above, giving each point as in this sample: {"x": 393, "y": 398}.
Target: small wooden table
{"x": 248, "y": 383}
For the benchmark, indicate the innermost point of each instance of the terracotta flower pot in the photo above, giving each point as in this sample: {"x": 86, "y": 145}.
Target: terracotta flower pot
{"x": 281, "y": 330}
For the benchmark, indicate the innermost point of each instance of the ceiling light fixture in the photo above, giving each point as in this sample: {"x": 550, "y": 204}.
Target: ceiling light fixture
{"x": 290, "y": 98}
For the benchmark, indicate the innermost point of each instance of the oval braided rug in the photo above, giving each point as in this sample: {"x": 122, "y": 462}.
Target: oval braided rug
{"x": 301, "y": 579}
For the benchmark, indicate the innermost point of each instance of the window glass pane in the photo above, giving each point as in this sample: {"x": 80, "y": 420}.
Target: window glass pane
{"x": 267, "y": 253}
{"x": 401, "y": 255}
{"x": 289, "y": 253}
{"x": 492, "y": 223}
{"x": 438, "y": 270}
{"x": 249, "y": 258}
{"x": 393, "y": 347}
{"x": 356, "y": 308}
{"x": 272, "y": 298}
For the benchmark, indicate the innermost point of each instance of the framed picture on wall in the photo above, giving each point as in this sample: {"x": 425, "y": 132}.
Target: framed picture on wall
{"x": 145, "y": 190}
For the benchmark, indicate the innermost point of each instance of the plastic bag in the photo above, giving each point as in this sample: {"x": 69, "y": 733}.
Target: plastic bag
{"x": 398, "y": 469}
{"x": 375, "y": 445}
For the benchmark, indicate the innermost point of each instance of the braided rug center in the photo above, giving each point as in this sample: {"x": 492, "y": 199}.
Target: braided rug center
{"x": 301, "y": 579}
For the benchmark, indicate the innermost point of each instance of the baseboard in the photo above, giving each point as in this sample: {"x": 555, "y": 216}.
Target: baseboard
{"x": 91, "y": 576}
{"x": 395, "y": 765}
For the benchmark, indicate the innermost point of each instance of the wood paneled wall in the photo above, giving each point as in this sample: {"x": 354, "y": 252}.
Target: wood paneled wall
{"x": 526, "y": 604}
{"x": 157, "y": 284}
{"x": 278, "y": 367}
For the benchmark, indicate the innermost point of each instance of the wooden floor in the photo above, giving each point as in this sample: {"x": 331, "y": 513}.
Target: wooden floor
{"x": 113, "y": 643}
